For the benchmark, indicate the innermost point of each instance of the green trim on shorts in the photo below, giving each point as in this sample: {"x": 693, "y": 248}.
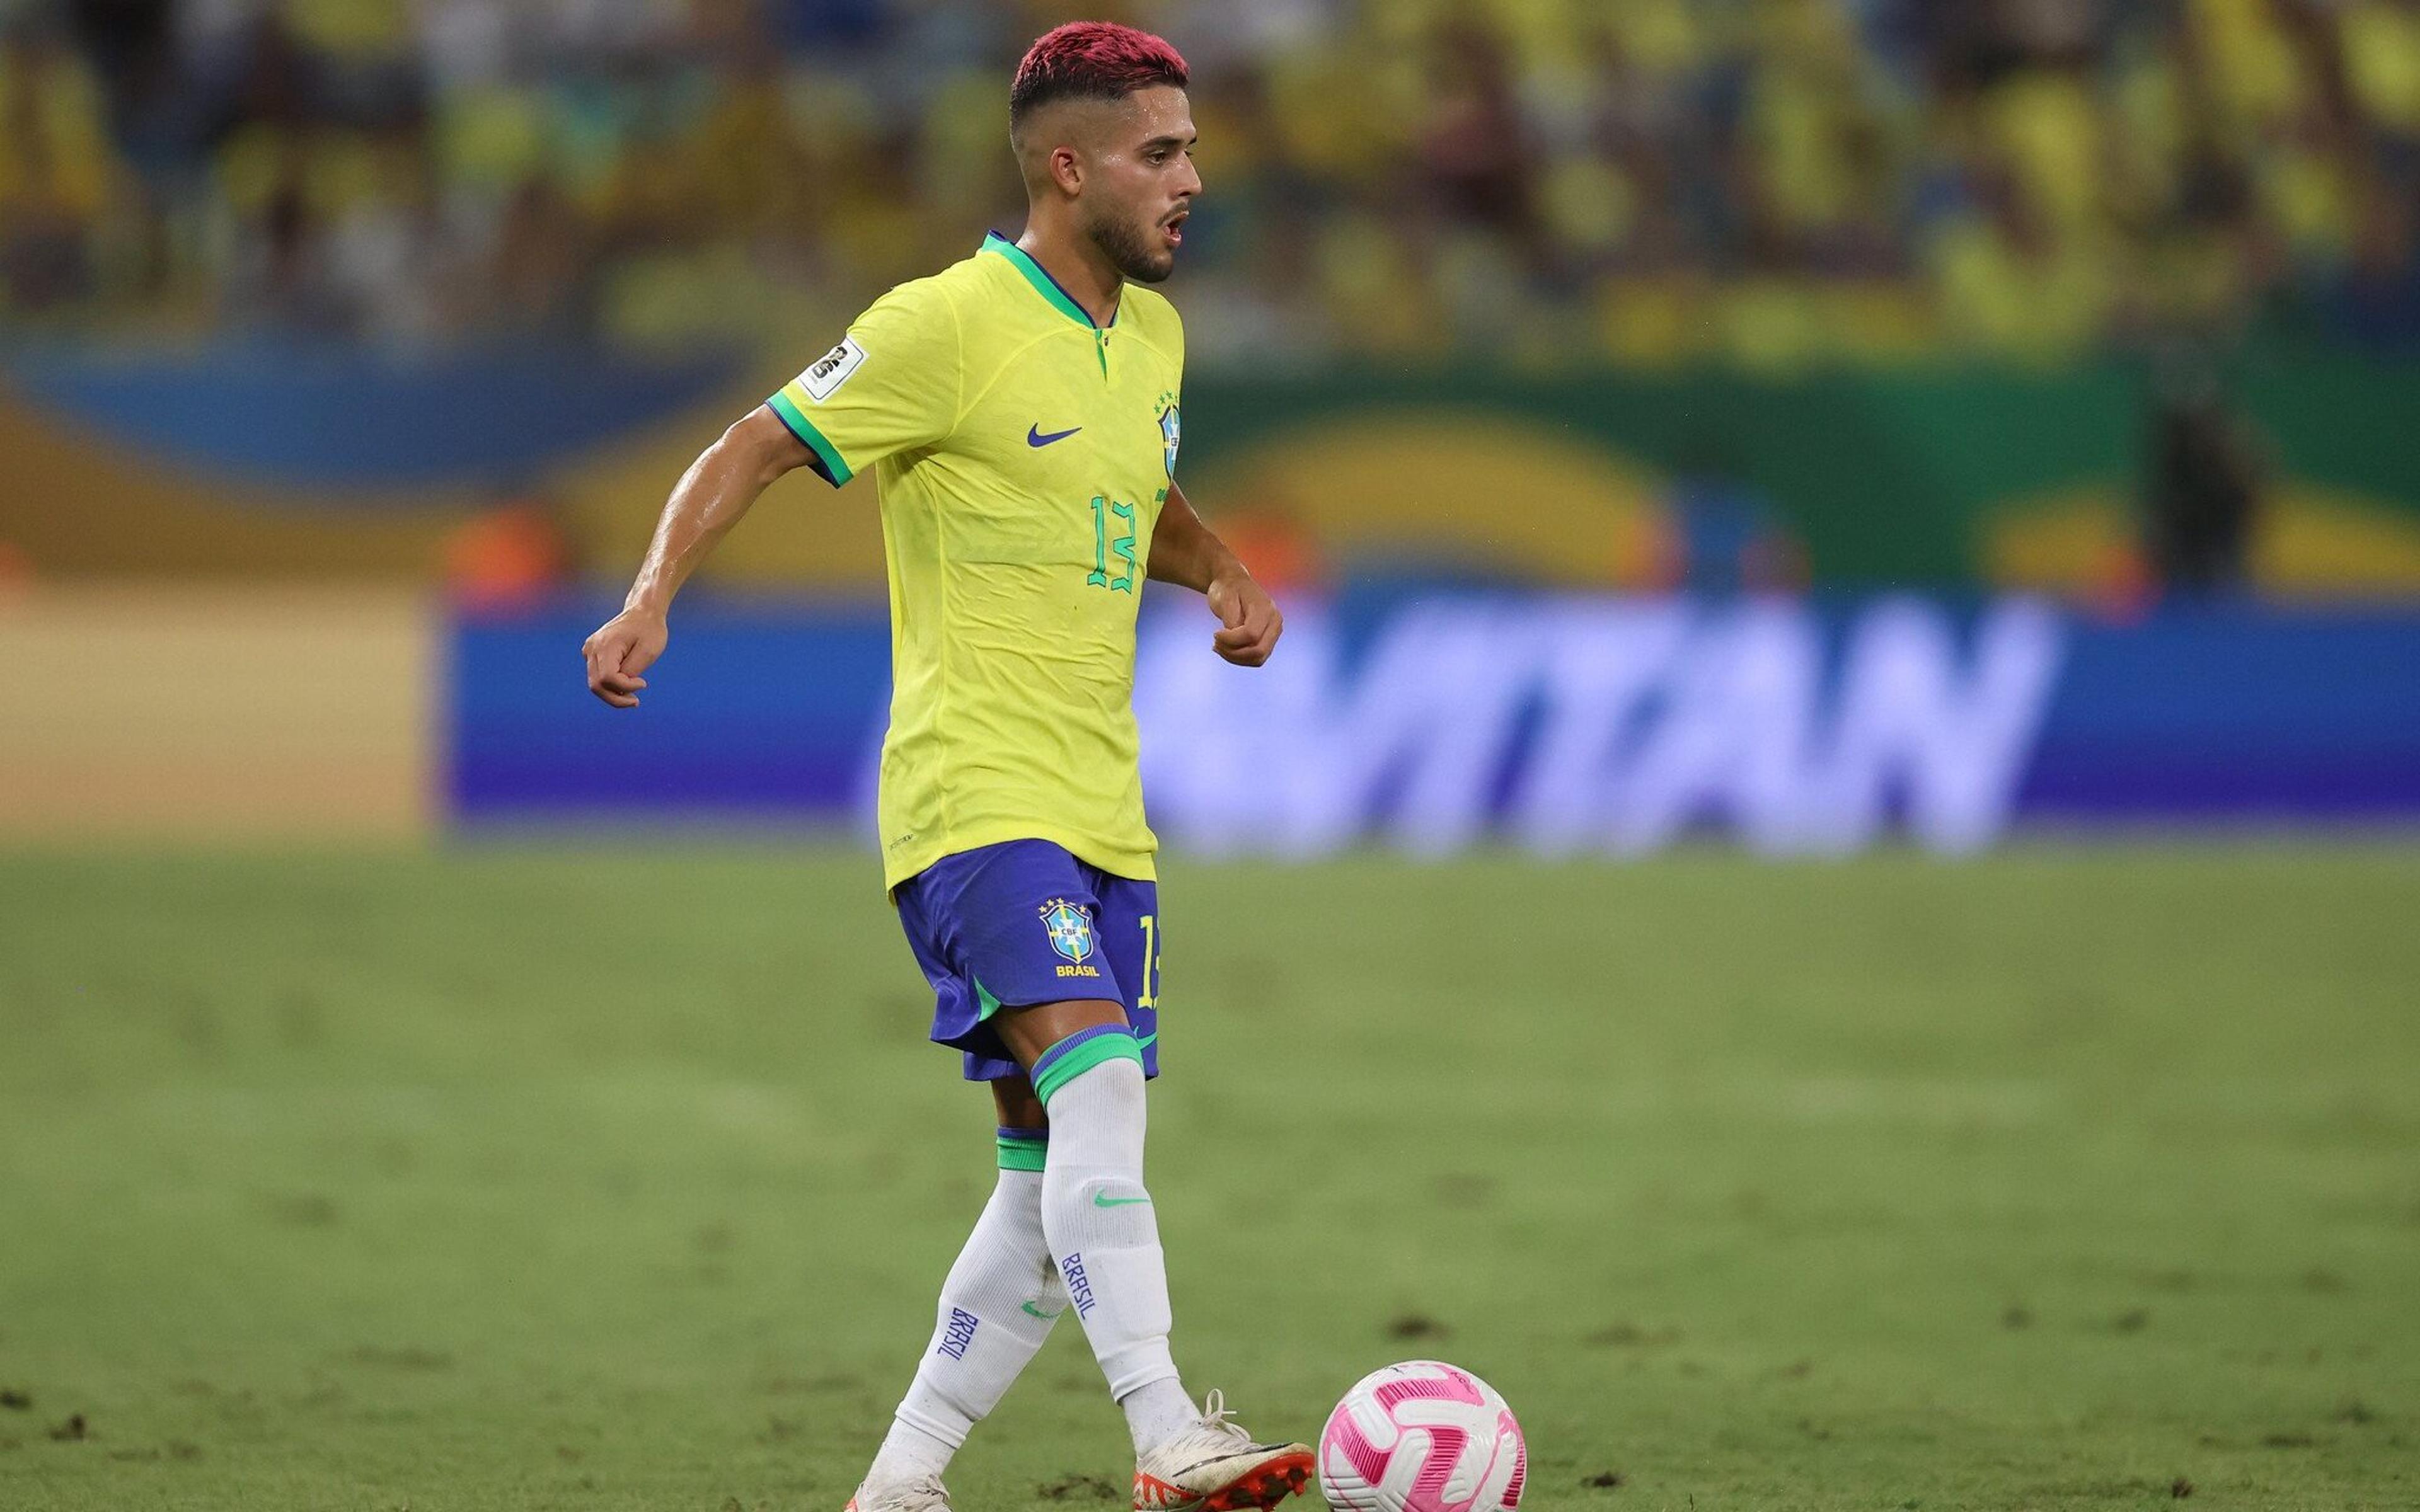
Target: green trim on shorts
{"x": 1082, "y": 1059}
{"x": 990, "y": 1004}
{"x": 1023, "y": 1154}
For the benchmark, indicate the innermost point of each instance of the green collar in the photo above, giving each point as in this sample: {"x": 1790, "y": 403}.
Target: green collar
{"x": 1043, "y": 282}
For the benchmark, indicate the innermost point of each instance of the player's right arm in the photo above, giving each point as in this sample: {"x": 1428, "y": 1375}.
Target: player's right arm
{"x": 891, "y": 384}
{"x": 709, "y": 498}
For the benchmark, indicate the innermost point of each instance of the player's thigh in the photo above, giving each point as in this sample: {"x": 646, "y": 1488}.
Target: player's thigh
{"x": 1030, "y": 1032}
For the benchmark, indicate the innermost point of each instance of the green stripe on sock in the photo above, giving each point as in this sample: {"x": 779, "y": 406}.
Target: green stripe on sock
{"x": 1023, "y": 1154}
{"x": 1084, "y": 1059}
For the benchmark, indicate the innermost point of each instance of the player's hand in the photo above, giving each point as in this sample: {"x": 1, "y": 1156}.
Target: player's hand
{"x": 622, "y": 648}
{"x": 1249, "y": 620}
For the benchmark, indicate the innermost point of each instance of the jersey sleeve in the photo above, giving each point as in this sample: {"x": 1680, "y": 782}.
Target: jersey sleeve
{"x": 891, "y": 386}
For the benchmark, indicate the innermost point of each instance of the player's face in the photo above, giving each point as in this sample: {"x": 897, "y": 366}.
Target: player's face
{"x": 1142, "y": 185}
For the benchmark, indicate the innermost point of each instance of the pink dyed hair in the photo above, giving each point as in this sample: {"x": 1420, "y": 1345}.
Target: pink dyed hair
{"x": 1092, "y": 59}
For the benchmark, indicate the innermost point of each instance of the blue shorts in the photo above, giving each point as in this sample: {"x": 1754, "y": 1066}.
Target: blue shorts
{"x": 1021, "y": 923}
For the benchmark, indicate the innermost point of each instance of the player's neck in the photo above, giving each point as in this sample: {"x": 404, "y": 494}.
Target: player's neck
{"x": 1077, "y": 266}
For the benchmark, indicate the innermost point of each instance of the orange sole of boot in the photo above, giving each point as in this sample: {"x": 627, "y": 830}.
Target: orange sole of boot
{"x": 1263, "y": 1485}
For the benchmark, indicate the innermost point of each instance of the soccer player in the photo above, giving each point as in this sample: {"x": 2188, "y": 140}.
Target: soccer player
{"x": 1019, "y": 412}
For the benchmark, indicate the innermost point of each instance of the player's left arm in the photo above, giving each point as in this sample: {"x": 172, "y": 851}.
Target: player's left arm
{"x": 1184, "y": 551}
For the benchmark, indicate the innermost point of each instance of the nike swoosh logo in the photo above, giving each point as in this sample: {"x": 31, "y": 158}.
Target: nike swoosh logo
{"x": 1101, "y": 1199}
{"x": 1034, "y": 436}
{"x": 1038, "y": 1312}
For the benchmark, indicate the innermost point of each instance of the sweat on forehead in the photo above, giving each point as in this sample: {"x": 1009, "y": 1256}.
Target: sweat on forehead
{"x": 1092, "y": 60}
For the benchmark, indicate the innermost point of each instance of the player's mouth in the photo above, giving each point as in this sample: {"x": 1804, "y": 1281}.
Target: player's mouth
{"x": 1174, "y": 228}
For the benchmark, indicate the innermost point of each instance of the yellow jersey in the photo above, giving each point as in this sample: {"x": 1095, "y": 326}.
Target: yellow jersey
{"x": 1020, "y": 455}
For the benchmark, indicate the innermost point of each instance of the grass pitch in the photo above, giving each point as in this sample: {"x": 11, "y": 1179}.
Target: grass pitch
{"x": 601, "y": 1181}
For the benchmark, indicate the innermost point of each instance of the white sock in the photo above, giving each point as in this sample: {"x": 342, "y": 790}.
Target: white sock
{"x": 997, "y": 1307}
{"x": 908, "y": 1454}
{"x": 1156, "y": 1412}
{"x": 1101, "y": 1227}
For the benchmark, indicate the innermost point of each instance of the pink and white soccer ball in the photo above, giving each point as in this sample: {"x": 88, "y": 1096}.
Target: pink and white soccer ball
{"x": 1422, "y": 1437}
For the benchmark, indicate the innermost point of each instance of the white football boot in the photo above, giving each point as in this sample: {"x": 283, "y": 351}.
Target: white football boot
{"x": 1215, "y": 1466}
{"x": 924, "y": 1495}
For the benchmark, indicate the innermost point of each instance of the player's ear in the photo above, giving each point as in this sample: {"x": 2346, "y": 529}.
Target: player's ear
{"x": 1066, "y": 170}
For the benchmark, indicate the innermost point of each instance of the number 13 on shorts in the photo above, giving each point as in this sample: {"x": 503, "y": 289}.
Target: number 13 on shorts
{"x": 1147, "y": 990}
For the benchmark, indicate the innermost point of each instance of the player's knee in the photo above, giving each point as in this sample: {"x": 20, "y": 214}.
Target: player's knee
{"x": 1023, "y": 1147}
{"x": 1013, "y": 1099}
{"x": 1094, "y": 1207}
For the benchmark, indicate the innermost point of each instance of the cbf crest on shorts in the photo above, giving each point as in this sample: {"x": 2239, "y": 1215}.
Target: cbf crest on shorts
{"x": 1070, "y": 927}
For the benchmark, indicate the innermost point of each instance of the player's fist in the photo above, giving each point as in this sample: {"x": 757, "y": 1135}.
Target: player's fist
{"x": 622, "y": 648}
{"x": 1249, "y": 620}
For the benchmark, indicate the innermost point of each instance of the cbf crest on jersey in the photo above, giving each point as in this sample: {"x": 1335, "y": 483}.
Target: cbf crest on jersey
{"x": 1070, "y": 927}
{"x": 1170, "y": 430}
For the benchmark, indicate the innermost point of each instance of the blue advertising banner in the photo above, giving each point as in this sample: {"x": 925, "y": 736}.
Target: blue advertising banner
{"x": 1562, "y": 725}
{"x": 766, "y": 709}
{"x": 2234, "y": 714}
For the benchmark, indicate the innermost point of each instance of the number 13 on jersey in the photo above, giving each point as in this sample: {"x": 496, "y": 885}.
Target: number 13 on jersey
{"x": 1104, "y": 545}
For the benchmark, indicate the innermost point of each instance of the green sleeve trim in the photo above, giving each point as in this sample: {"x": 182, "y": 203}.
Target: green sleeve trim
{"x": 1023, "y": 1154}
{"x": 834, "y": 469}
{"x": 1084, "y": 1059}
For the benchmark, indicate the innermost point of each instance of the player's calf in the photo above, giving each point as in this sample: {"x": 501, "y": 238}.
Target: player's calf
{"x": 1099, "y": 1217}
{"x": 996, "y": 1308}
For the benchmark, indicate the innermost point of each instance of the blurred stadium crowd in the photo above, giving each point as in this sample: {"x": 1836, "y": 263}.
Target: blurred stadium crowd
{"x": 1770, "y": 182}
